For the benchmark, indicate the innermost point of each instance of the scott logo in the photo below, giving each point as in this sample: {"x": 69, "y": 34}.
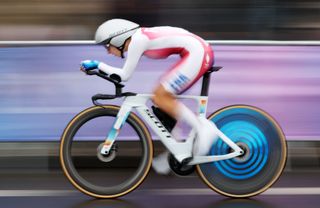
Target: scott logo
{"x": 118, "y": 32}
{"x": 158, "y": 123}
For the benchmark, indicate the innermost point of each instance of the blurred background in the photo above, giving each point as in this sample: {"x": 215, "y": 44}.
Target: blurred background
{"x": 41, "y": 88}
{"x": 211, "y": 19}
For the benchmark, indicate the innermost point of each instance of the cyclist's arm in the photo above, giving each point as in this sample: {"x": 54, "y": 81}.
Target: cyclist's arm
{"x": 136, "y": 49}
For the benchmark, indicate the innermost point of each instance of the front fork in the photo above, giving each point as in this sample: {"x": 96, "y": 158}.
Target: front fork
{"x": 115, "y": 130}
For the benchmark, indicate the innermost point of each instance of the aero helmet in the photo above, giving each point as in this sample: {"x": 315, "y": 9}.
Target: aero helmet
{"x": 115, "y": 32}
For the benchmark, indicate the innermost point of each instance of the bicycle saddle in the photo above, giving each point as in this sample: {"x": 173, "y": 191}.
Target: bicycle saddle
{"x": 214, "y": 69}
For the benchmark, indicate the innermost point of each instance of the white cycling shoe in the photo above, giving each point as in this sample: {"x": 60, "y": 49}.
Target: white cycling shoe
{"x": 206, "y": 137}
{"x": 160, "y": 164}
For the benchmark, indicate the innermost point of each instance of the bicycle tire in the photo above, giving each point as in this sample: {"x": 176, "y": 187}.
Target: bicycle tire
{"x": 68, "y": 163}
{"x": 257, "y": 169}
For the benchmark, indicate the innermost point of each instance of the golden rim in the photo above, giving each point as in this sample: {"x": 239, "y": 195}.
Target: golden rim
{"x": 149, "y": 140}
{"x": 280, "y": 168}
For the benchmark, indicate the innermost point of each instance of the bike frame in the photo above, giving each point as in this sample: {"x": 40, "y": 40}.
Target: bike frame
{"x": 180, "y": 150}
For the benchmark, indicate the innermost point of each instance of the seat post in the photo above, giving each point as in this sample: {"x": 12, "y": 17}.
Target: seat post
{"x": 206, "y": 80}
{"x": 205, "y": 84}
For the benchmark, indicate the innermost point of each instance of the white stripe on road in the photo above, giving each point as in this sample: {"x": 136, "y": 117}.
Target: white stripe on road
{"x": 271, "y": 191}
{"x": 293, "y": 191}
{"x": 21, "y": 193}
{"x": 177, "y": 192}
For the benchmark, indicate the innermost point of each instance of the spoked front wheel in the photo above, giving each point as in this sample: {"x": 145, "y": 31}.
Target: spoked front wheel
{"x": 264, "y": 158}
{"x": 105, "y": 176}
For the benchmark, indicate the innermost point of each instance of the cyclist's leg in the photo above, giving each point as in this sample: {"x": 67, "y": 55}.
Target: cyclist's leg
{"x": 164, "y": 98}
{"x": 176, "y": 81}
{"x": 183, "y": 75}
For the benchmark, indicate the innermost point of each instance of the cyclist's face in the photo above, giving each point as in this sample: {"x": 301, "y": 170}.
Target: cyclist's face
{"x": 113, "y": 50}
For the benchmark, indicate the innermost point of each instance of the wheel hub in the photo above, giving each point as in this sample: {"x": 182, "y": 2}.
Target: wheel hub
{"x": 106, "y": 157}
{"x": 246, "y": 152}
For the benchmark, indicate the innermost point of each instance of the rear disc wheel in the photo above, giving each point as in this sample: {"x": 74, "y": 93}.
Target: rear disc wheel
{"x": 264, "y": 157}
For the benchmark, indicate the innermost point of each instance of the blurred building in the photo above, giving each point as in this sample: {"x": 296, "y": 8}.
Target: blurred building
{"x": 212, "y": 19}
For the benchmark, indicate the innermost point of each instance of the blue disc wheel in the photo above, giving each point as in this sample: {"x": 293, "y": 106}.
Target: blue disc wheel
{"x": 264, "y": 157}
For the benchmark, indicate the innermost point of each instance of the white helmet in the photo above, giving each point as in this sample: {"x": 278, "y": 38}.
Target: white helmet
{"x": 115, "y": 32}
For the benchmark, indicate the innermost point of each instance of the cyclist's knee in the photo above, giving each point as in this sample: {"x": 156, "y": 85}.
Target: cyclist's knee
{"x": 154, "y": 99}
{"x": 160, "y": 95}
{"x": 157, "y": 96}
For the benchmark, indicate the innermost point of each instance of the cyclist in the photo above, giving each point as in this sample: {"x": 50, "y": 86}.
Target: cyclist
{"x": 120, "y": 36}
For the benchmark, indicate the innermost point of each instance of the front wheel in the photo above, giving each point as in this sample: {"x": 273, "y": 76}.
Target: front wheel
{"x": 264, "y": 158}
{"x": 105, "y": 176}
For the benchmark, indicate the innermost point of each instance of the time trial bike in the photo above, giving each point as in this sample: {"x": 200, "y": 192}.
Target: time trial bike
{"x": 246, "y": 159}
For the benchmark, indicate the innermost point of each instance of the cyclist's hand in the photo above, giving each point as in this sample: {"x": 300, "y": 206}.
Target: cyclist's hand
{"x": 88, "y": 65}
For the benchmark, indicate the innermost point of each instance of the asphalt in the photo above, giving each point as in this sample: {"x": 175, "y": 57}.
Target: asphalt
{"x": 50, "y": 188}
{"x": 31, "y": 176}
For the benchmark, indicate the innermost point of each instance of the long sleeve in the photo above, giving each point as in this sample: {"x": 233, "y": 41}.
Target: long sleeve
{"x": 136, "y": 49}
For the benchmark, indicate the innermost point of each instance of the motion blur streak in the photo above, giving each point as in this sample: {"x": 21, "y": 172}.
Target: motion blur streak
{"x": 218, "y": 19}
{"x": 41, "y": 88}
